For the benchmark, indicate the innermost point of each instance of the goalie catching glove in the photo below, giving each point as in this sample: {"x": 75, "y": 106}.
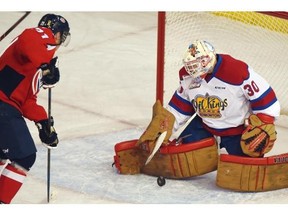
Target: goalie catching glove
{"x": 259, "y": 136}
{"x": 47, "y": 134}
{"x": 162, "y": 120}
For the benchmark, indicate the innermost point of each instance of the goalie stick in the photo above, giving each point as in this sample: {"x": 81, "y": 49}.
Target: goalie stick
{"x": 161, "y": 138}
{"x": 182, "y": 128}
{"x": 159, "y": 142}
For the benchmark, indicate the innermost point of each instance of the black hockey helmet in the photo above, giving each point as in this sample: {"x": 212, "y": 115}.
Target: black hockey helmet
{"x": 56, "y": 23}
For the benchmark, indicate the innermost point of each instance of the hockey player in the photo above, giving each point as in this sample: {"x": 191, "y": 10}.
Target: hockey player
{"x": 25, "y": 66}
{"x": 232, "y": 103}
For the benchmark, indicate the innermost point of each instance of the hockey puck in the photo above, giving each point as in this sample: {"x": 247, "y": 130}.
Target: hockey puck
{"x": 161, "y": 181}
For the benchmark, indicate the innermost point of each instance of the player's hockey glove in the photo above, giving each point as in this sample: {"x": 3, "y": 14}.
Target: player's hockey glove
{"x": 259, "y": 136}
{"x": 47, "y": 135}
{"x": 162, "y": 120}
{"x": 50, "y": 73}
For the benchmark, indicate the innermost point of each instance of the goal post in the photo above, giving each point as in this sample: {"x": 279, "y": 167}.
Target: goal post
{"x": 258, "y": 38}
{"x": 160, "y": 56}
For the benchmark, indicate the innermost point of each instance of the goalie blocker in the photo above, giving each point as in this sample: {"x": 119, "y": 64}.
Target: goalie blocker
{"x": 172, "y": 161}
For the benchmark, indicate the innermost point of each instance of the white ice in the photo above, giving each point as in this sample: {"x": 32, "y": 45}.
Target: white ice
{"x": 105, "y": 96}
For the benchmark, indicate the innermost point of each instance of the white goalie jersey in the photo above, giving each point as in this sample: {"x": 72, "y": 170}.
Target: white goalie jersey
{"x": 224, "y": 98}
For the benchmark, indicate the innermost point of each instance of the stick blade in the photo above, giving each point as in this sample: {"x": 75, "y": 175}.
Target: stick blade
{"x": 158, "y": 144}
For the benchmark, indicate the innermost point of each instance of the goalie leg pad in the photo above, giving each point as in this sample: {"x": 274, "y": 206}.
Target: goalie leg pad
{"x": 183, "y": 161}
{"x": 252, "y": 174}
{"x": 127, "y": 156}
{"x": 171, "y": 161}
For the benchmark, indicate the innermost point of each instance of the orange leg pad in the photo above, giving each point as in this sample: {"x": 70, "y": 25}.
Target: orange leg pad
{"x": 252, "y": 174}
{"x": 181, "y": 161}
{"x": 127, "y": 158}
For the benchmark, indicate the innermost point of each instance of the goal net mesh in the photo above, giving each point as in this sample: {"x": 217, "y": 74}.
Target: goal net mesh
{"x": 259, "y": 39}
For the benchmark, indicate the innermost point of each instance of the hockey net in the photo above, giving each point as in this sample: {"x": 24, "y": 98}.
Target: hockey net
{"x": 259, "y": 39}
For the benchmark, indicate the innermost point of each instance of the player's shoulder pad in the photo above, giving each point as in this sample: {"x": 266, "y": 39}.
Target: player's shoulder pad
{"x": 231, "y": 70}
{"x": 38, "y": 34}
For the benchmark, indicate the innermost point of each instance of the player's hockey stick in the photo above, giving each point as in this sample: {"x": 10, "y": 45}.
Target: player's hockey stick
{"x": 161, "y": 138}
{"x": 49, "y": 150}
{"x": 15, "y": 24}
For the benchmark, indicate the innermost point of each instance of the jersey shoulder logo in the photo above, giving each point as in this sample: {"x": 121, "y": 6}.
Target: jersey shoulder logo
{"x": 36, "y": 82}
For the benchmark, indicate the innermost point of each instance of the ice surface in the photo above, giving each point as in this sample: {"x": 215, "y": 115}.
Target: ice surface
{"x": 105, "y": 96}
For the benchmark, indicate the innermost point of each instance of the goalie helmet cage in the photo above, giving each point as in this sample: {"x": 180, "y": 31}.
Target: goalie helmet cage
{"x": 258, "y": 38}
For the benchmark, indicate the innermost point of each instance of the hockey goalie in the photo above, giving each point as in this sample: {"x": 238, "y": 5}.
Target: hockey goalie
{"x": 219, "y": 98}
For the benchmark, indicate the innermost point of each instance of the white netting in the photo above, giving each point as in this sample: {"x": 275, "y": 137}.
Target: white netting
{"x": 264, "y": 48}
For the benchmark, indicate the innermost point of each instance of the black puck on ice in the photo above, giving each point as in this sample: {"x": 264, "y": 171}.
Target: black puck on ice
{"x": 161, "y": 181}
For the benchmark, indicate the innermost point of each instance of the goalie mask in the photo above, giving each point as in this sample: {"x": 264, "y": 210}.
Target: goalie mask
{"x": 199, "y": 59}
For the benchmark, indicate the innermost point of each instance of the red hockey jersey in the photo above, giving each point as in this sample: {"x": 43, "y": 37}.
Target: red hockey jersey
{"x": 20, "y": 77}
